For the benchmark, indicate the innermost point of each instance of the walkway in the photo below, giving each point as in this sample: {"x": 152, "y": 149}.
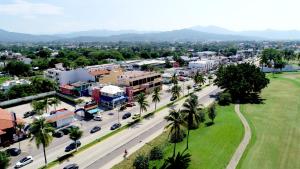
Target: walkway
{"x": 242, "y": 147}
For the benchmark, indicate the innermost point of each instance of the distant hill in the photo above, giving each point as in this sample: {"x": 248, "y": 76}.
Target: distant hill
{"x": 197, "y": 33}
{"x": 6, "y": 36}
{"x": 172, "y": 36}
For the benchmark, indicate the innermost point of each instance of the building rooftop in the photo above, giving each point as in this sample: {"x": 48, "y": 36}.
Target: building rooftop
{"x": 7, "y": 120}
{"x": 111, "y": 89}
{"x": 59, "y": 115}
{"x": 99, "y": 72}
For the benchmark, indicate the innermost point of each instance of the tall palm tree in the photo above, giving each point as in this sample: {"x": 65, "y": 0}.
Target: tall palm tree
{"x": 156, "y": 96}
{"x": 176, "y": 124}
{"x": 191, "y": 115}
{"x": 174, "y": 79}
{"x": 199, "y": 78}
{"x": 38, "y": 106}
{"x": 141, "y": 99}
{"x": 75, "y": 134}
{"x": 40, "y": 129}
{"x": 20, "y": 127}
{"x": 54, "y": 102}
{"x": 189, "y": 87}
{"x": 181, "y": 161}
{"x": 176, "y": 89}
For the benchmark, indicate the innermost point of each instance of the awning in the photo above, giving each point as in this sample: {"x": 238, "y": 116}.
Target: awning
{"x": 94, "y": 111}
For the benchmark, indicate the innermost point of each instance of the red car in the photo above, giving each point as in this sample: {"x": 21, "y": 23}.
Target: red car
{"x": 130, "y": 104}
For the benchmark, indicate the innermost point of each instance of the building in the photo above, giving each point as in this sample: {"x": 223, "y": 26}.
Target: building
{"x": 61, "y": 118}
{"x": 205, "y": 54}
{"x": 112, "y": 96}
{"x": 107, "y": 77}
{"x": 64, "y": 76}
{"x": 202, "y": 65}
{"x": 166, "y": 78}
{"x": 76, "y": 89}
{"x": 139, "y": 82}
{"x": 9, "y": 84}
{"x": 8, "y": 122}
{"x": 25, "y": 60}
{"x": 138, "y": 64}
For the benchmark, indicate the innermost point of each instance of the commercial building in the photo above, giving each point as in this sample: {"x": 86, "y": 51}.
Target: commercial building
{"x": 107, "y": 77}
{"x": 112, "y": 96}
{"x": 64, "y": 76}
{"x": 79, "y": 88}
{"x": 61, "y": 118}
{"x": 136, "y": 82}
{"x": 8, "y": 122}
{"x": 202, "y": 65}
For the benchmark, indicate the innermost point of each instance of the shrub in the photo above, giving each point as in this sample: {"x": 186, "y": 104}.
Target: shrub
{"x": 156, "y": 153}
{"x": 225, "y": 99}
{"x": 141, "y": 162}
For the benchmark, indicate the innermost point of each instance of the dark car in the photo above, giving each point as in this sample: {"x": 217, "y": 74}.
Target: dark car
{"x": 13, "y": 151}
{"x": 65, "y": 131}
{"x": 28, "y": 114}
{"x": 72, "y": 146}
{"x": 95, "y": 129}
{"x": 115, "y": 126}
{"x": 71, "y": 166}
{"x": 173, "y": 98}
{"x": 126, "y": 115}
{"x": 58, "y": 134}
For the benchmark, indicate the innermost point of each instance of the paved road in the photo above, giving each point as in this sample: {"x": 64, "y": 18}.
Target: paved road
{"x": 243, "y": 145}
{"x": 110, "y": 151}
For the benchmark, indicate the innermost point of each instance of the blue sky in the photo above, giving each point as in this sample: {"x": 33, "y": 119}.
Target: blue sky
{"x": 56, "y": 16}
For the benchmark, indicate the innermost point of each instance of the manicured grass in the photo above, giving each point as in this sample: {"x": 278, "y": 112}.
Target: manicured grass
{"x": 275, "y": 126}
{"x": 210, "y": 147}
{"x": 3, "y": 79}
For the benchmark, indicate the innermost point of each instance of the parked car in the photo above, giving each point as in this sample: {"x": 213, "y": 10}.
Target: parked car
{"x": 28, "y": 114}
{"x": 98, "y": 118}
{"x": 71, "y": 166}
{"x": 115, "y": 126}
{"x": 110, "y": 113}
{"x": 173, "y": 98}
{"x": 130, "y": 104}
{"x": 95, "y": 129}
{"x": 72, "y": 146}
{"x": 126, "y": 115}
{"x": 66, "y": 131}
{"x": 136, "y": 116}
{"x": 13, "y": 151}
{"x": 58, "y": 134}
{"x": 24, "y": 161}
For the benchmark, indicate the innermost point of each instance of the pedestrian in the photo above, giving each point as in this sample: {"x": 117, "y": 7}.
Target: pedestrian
{"x": 125, "y": 153}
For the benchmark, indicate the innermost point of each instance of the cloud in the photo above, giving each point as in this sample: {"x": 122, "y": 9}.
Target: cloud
{"x": 29, "y": 10}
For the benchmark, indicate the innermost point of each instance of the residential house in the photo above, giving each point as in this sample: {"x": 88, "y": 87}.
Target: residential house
{"x": 9, "y": 84}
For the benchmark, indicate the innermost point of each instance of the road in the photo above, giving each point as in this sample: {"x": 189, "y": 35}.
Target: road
{"x": 58, "y": 145}
{"x": 110, "y": 151}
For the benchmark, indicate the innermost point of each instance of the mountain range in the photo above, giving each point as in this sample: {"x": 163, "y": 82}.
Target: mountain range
{"x": 196, "y": 33}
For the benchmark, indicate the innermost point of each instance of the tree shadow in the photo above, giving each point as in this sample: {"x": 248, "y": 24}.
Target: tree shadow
{"x": 64, "y": 157}
{"x": 252, "y": 98}
{"x": 208, "y": 124}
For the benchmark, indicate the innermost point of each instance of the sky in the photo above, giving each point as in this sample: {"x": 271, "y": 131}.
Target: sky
{"x": 61, "y": 16}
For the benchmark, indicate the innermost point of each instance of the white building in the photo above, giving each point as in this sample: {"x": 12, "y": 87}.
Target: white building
{"x": 63, "y": 76}
{"x": 202, "y": 65}
{"x": 25, "y": 60}
{"x": 8, "y": 84}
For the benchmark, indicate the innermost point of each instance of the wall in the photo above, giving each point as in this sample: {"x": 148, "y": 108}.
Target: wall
{"x": 76, "y": 75}
{"x": 112, "y": 78}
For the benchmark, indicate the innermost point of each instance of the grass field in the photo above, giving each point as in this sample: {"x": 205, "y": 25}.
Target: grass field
{"x": 275, "y": 125}
{"x": 210, "y": 147}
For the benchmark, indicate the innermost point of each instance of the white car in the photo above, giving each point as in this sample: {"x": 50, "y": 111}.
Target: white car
{"x": 98, "y": 118}
{"x": 24, "y": 161}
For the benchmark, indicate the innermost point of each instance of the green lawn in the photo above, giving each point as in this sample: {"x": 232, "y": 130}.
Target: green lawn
{"x": 3, "y": 79}
{"x": 275, "y": 125}
{"x": 210, "y": 147}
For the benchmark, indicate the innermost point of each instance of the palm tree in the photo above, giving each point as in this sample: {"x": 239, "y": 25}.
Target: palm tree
{"x": 181, "y": 161}
{"x": 176, "y": 124}
{"x": 20, "y": 127}
{"x": 199, "y": 78}
{"x": 54, "y": 102}
{"x": 174, "y": 79}
{"x": 38, "y": 106}
{"x": 141, "y": 99}
{"x": 156, "y": 96}
{"x": 191, "y": 115}
{"x": 40, "y": 129}
{"x": 75, "y": 135}
{"x": 189, "y": 87}
{"x": 176, "y": 89}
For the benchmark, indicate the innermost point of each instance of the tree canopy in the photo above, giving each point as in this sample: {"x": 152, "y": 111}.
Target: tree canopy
{"x": 241, "y": 80}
